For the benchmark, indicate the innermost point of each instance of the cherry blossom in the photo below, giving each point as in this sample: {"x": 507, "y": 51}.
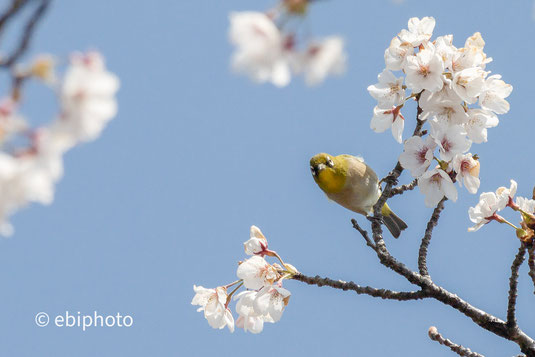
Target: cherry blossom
{"x": 479, "y": 120}
{"x": 419, "y": 31}
{"x": 87, "y": 97}
{"x": 484, "y": 211}
{"x": 271, "y": 301}
{"x": 213, "y": 303}
{"x": 248, "y": 319}
{"x": 257, "y": 243}
{"x": 505, "y": 195}
{"x": 525, "y": 204}
{"x": 384, "y": 119}
{"x": 259, "y": 48}
{"x": 397, "y": 53}
{"x": 467, "y": 170}
{"x": 435, "y": 184}
{"x": 323, "y": 58}
{"x": 389, "y": 91}
{"x": 424, "y": 71}
{"x": 493, "y": 95}
{"x": 468, "y": 83}
{"x": 417, "y": 154}
{"x": 256, "y": 273}
{"x": 451, "y": 140}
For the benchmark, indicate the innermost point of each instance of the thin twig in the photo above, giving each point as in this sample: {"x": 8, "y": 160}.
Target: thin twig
{"x": 16, "y": 6}
{"x": 366, "y": 290}
{"x": 364, "y": 234}
{"x": 422, "y": 254}
{"x": 401, "y": 189}
{"x": 27, "y": 34}
{"x": 531, "y": 263}
{"x": 460, "y": 350}
{"x": 513, "y": 284}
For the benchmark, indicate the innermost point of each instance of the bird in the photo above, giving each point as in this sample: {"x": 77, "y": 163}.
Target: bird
{"x": 350, "y": 182}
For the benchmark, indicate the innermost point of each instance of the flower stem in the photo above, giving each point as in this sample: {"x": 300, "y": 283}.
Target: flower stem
{"x": 234, "y": 283}
{"x": 232, "y": 293}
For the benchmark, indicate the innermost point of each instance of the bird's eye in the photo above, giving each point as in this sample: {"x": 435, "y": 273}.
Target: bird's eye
{"x": 330, "y": 163}
{"x": 313, "y": 170}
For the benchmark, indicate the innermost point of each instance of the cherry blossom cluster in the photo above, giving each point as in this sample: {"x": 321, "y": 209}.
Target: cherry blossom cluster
{"x": 31, "y": 158}
{"x": 490, "y": 203}
{"x": 269, "y": 49}
{"x": 264, "y": 299}
{"x": 456, "y": 96}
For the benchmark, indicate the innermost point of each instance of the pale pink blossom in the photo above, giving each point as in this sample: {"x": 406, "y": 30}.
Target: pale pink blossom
{"x": 384, "y": 119}
{"x": 417, "y": 154}
{"x": 467, "y": 169}
{"x": 484, "y": 211}
{"x": 479, "y": 120}
{"x": 451, "y": 139}
{"x": 256, "y": 273}
{"x": 260, "y": 48}
{"x": 419, "y": 31}
{"x": 469, "y": 83}
{"x": 323, "y": 58}
{"x": 397, "y": 53}
{"x": 389, "y": 91}
{"x": 435, "y": 184}
{"x": 214, "y": 304}
{"x": 271, "y": 301}
{"x": 257, "y": 243}
{"x": 424, "y": 71}
{"x": 494, "y": 94}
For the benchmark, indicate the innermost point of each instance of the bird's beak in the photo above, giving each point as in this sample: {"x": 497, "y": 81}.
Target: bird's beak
{"x": 316, "y": 169}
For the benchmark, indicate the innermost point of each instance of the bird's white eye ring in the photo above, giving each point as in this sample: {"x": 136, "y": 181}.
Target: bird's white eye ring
{"x": 313, "y": 170}
{"x": 330, "y": 163}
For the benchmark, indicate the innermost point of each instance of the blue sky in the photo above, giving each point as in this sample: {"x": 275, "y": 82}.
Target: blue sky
{"x": 165, "y": 197}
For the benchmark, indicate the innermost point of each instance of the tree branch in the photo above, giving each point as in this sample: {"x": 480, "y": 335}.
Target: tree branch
{"x": 364, "y": 234}
{"x": 27, "y": 34}
{"x": 422, "y": 254}
{"x": 401, "y": 189}
{"x": 460, "y": 350}
{"x": 513, "y": 283}
{"x": 366, "y": 290}
{"x": 531, "y": 263}
{"x": 16, "y": 6}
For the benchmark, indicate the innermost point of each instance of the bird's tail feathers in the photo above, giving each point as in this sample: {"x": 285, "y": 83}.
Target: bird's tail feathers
{"x": 394, "y": 224}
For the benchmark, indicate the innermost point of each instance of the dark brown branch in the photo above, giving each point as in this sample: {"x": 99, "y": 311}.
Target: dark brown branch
{"x": 401, "y": 189}
{"x": 16, "y": 6}
{"x": 422, "y": 254}
{"x": 513, "y": 284}
{"x": 460, "y": 350}
{"x": 531, "y": 263}
{"x": 26, "y": 34}
{"x": 364, "y": 234}
{"x": 366, "y": 290}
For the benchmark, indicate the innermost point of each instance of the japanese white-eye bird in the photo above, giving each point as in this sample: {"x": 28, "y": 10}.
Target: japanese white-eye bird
{"x": 348, "y": 181}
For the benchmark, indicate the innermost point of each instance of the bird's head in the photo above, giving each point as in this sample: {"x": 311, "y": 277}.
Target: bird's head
{"x": 329, "y": 172}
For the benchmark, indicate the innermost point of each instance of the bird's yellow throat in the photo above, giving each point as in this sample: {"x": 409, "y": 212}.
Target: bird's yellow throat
{"x": 330, "y": 181}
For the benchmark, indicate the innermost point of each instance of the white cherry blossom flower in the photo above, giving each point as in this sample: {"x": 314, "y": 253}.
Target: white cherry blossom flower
{"x": 479, "y": 121}
{"x": 445, "y": 49}
{"x": 525, "y": 204}
{"x": 424, "y": 71}
{"x": 323, "y": 58}
{"x": 417, "y": 154}
{"x": 213, "y": 303}
{"x": 248, "y": 319}
{"x": 419, "y": 31}
{"x": 469, "y": 83}
{"x": 397, "y": 53}
{"x": 271, "y": 301}
{"x": 257, "y": 243}
{"x": 259, "y": 48}
{"x": 505, "y": 195}
{"x": 256, "y": 273}
{"x": 483, "y": 212}
{"x": 384, "y": 119}
{"x": 435, "y": 184}
{"x": 389, "y": 91}
{"x": 11, "y": 123}
{"x": 445, "y": 111}
{"x": 451, "y": 139}
{"x": 467, "y": 169}
{"x": 87, "y": 96}
{"x": 468, "y": 57}
{"x": 493, "y": 95}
